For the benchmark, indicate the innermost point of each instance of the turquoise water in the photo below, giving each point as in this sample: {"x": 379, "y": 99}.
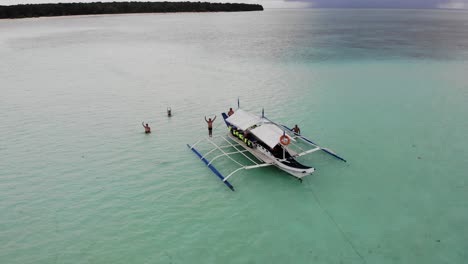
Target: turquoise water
{"x": 81, "y": 183}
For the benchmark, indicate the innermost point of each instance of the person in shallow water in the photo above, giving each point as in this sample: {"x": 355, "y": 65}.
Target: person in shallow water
{"x": 147, "y": 128}
{"x": 210, "y": 125}
{"x": 296, "y": 129}
{"x": 230, "y": 112}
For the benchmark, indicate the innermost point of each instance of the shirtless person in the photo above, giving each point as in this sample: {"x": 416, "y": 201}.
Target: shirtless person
{"x": 230, "y": 112}
{"x": 210, "y": 125}
{"x": 296, "y": 130}
{"x": 147, "y": 128}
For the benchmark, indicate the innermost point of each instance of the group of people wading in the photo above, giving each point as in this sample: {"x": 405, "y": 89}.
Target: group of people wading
{"x": 209, "y": 121}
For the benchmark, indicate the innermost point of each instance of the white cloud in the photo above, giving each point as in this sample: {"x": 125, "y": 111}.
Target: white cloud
{"x": 278, "y": 3}
{"x": 454, "y": 4}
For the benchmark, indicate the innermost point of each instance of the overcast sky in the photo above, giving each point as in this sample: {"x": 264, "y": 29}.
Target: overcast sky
{"x": 454, "y": 4}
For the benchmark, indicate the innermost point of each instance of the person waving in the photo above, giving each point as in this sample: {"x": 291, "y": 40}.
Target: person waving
{"x": 147, "y": 128}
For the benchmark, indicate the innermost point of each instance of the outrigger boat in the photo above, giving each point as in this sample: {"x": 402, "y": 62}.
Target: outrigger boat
{"x": 267, "y": 142}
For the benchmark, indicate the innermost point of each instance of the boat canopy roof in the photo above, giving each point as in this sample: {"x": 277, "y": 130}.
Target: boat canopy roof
{"x": 269, "y": 133}
{"x": 243, "y": 120}
{"x": 265, "y": 131}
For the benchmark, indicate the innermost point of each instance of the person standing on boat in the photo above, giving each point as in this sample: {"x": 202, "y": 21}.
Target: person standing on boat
{"x": 210, "y": 125}
{"x": 230, "y": 112}
{"x": 296, "y": 129}
{"x": 147, "y": 128}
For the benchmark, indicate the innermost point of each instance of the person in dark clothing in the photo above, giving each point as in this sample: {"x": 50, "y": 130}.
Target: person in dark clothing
{"x": 296, "y": 129}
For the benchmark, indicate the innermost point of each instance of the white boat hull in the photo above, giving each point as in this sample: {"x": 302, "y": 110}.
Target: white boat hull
{"x": 266, "y": 156}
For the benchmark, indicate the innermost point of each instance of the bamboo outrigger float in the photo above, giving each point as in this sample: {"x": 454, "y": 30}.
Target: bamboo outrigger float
{"x": 267, "y": 142}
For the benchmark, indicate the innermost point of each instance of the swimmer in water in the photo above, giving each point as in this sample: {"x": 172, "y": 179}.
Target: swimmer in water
{"x": 147, "y": 128}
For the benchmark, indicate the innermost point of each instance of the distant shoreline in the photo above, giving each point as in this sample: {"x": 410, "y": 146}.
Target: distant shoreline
{"x": 99, "y": 8}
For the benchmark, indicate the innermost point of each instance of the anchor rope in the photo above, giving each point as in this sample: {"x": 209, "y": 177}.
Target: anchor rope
{"x": 335, "y": 223}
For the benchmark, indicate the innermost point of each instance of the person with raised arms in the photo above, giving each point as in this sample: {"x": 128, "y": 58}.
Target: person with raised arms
{"x": 210, "y": 125}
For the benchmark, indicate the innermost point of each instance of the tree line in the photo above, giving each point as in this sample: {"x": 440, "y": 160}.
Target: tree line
{"x": 97, "y": 8}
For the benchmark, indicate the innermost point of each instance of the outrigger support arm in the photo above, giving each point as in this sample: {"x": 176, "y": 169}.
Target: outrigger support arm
{"x": 224, "y": 154}
{"x": 328, "y": 151}
{"x": 308, "y": 151}
{"x": 212, "y": 168}
{"x": 247, "y": 168}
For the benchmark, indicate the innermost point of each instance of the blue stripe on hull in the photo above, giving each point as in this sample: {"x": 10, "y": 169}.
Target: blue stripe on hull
{"x": 213, "y": 169}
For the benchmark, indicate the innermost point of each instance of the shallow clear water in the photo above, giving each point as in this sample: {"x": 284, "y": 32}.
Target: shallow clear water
{"x": 81, "y": 183}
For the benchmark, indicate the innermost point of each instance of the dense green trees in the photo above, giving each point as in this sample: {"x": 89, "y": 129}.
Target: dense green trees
{"x": 70, "y": 9}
